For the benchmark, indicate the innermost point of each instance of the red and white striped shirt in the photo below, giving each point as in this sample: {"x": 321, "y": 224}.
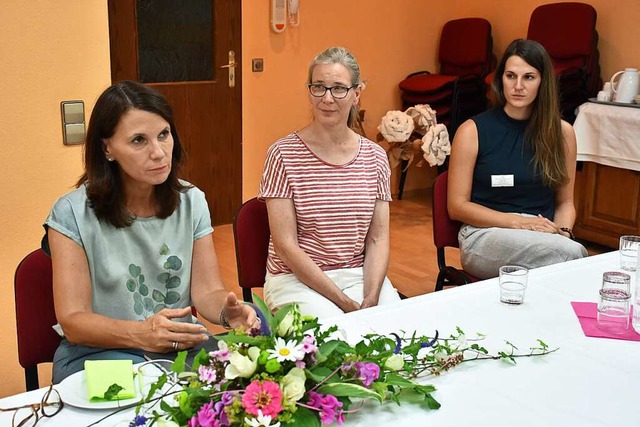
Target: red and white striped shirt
{"x": 333, "y": 203}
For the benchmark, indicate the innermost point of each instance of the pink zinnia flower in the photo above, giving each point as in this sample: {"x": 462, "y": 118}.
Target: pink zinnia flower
{"x": 265, "y": 396}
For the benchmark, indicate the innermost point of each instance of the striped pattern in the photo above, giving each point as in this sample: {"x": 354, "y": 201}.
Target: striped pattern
{"x": 334, "y": 203}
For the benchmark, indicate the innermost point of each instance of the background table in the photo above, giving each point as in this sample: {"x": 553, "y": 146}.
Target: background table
{"x": 608, "y": 188}
{"x": 587, "y": 382}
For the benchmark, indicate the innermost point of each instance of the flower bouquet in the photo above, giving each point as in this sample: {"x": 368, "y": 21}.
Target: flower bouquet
{"x": 413, "y": 131}
{"x": 303, "y": 374}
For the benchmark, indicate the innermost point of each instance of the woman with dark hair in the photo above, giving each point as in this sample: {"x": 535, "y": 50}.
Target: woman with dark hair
{"x": 512, "y": 171}
{"x": 327, "y": 194}
{"x": 131, "y": 247}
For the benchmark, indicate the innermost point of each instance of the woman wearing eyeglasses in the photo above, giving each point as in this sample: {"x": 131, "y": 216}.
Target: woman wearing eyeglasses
{"x": 327, "y": 193}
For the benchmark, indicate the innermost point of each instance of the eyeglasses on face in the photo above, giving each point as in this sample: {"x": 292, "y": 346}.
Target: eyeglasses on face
{"x": 338, "y": 92}
{"x": 29, "y": 415}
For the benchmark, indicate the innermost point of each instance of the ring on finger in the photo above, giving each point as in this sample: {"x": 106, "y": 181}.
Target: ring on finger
{"x": 175, "y": 345}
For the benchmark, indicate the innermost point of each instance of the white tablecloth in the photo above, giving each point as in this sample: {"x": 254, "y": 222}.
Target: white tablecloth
{"x": 588, "y": 382}
{"x": 608, "y": 135}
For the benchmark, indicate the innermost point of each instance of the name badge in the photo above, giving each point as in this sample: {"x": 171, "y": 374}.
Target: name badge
{"x": 501, "y": 180}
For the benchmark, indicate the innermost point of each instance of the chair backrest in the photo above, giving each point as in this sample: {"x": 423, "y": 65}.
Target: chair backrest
{"x": 445, "y": 230}
{"x": 466, "y": 47}
{"x": 566, "y": 30}
{"x": 35, "y": 314}
{"x": 251, "y": 234}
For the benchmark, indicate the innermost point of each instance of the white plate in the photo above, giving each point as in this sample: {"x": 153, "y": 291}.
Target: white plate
{"x": 73, "y": 391}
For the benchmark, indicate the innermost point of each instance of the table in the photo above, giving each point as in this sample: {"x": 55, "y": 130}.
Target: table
{"x": 608, "y": 135}
{"x": 608, "y": 187}
{"x": 588, "y": 382}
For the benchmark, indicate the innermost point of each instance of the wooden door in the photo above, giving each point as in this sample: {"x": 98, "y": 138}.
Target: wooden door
{"x": 183, "y": 49}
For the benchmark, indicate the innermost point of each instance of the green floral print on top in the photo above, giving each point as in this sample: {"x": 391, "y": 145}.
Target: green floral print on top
{"x": 145, "y": 305}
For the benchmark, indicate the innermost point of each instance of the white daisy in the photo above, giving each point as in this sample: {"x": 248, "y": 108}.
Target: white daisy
{"x": 261, "y": 421}
{"x": 286, "y": 350}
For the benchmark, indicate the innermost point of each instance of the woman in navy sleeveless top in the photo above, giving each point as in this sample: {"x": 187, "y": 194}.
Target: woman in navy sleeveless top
{"x": 512, "y": 171}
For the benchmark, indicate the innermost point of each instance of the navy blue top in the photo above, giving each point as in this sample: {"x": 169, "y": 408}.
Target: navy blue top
{"x": 503, "y": 153}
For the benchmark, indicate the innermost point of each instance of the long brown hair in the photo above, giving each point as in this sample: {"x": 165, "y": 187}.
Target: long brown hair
{"x": 342, "y": 56}
{"x": 544, "y": 131}
{"x": 104, "y": 184}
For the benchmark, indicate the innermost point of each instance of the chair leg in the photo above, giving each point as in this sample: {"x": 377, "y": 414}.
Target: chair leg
{"x": 31, "y": 378}
{"x": 440, "y": 281}
{"x": 246, "y": 295}
{"x": 403, "y": 177}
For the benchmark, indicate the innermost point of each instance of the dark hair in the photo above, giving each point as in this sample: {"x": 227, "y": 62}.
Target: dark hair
{"x": 544, "y": 131}
{"x": 342, "y": 56}
{"x": 104, "y": 184}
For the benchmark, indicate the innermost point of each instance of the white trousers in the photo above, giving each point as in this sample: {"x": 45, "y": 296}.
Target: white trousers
{"x": 286, "y": 289}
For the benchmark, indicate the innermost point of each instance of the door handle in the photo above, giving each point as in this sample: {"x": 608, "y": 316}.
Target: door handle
{"x": 231, "y": 66}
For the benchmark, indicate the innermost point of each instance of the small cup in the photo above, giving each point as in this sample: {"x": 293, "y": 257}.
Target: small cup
{"x": 513, "y": 283}
{"x": 149, "y": 373}
{"x": 613, "y": 306}
{"x": 604, "y": 96}
{"x": 629, "y": 252}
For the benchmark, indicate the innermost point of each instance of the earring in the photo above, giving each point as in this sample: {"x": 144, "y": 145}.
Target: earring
{"x": 110, "y": 159}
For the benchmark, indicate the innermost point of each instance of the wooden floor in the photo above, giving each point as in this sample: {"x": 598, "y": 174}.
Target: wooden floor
{"x": 412, "y": 266}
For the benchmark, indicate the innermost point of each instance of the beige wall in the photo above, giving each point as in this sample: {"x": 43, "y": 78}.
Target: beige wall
{"x": 51, "y": 54}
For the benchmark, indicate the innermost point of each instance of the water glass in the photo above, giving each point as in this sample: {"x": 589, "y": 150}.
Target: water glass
{"x": 629, "y": 252}
{"x": 613, "y": 306}
{"x": 149, "y": 373}
{"x": 513, "y": 283}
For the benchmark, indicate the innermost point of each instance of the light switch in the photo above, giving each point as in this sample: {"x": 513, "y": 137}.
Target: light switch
{"x": 72, "y": 122}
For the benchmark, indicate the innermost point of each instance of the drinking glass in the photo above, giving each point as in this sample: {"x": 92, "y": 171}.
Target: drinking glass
{"x": 629, "y": 252}
{"x": 613, "y": 306}
{"x": 513, "y": 283}
{"x": 149, "y": 373}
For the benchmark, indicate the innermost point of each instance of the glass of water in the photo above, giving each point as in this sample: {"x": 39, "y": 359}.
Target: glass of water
{"x": 629, "y": 252}
{"x": 613, "y": 306}
{"x": 513, "y": 283}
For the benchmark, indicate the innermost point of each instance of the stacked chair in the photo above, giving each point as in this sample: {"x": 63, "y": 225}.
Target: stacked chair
{"x": 457, "y": 92}
{"x": 568, "y": 32}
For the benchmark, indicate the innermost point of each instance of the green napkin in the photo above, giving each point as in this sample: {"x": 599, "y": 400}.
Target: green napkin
{"x": 101, "y": 374}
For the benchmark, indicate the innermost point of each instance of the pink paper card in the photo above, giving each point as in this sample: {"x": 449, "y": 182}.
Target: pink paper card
{"x": 587, "y": 311}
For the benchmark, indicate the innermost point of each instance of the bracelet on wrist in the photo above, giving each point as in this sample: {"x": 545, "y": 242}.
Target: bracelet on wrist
{"x": 223, "y": 319}
{"x": 569, "y": 232}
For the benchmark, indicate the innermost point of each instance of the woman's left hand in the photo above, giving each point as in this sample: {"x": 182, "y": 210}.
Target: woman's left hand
{"x": 240, "y": 315}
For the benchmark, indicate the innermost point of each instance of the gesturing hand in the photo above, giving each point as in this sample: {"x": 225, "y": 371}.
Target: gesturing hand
{"x": 239, "y": 315}
{"x": 160, "y": 334}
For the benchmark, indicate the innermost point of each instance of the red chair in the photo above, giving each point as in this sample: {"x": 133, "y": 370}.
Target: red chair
{"x": 456, "y": 92}
{"x": 251, "y": 234}
{"x": 445, "y": 234}
{"x": 35, "y": 315}
{"x": 568, "y": 33}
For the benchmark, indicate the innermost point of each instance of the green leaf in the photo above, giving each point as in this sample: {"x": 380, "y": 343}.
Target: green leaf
{"x": 134, "y": 270}
{"x": 173, "y": 263}
{"x": 397, "y": 380}
{"x": 326, "y": 349}
{"x": 180, "y": 363}
{"x": 138, "y": 307}
{"x": 201, "y": 357}
{"x": 137, "y": 298}
{"x": 141, "y": 279}
{"x": 112, "y": 392}
{"x": 144, "y": 290}
{"x": 131, "y": 285}
{"x": 245, "y": 339}
{"x": 431, "y": 402}
{"x": 172, "y": 297}
{"x": 163, "y": 278}
{"x": 277, "y": 318}
{"x": 318, "y": 373}
{"x": 158, "y": 307}
{"x": 265, "y": 310}
{"x": 305, "y": 417}
{"x": 173, "y": 282}
{"x": 349, "y": 390}
{"x": 157, "y": 296}
{"x": 164, "y": 249}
